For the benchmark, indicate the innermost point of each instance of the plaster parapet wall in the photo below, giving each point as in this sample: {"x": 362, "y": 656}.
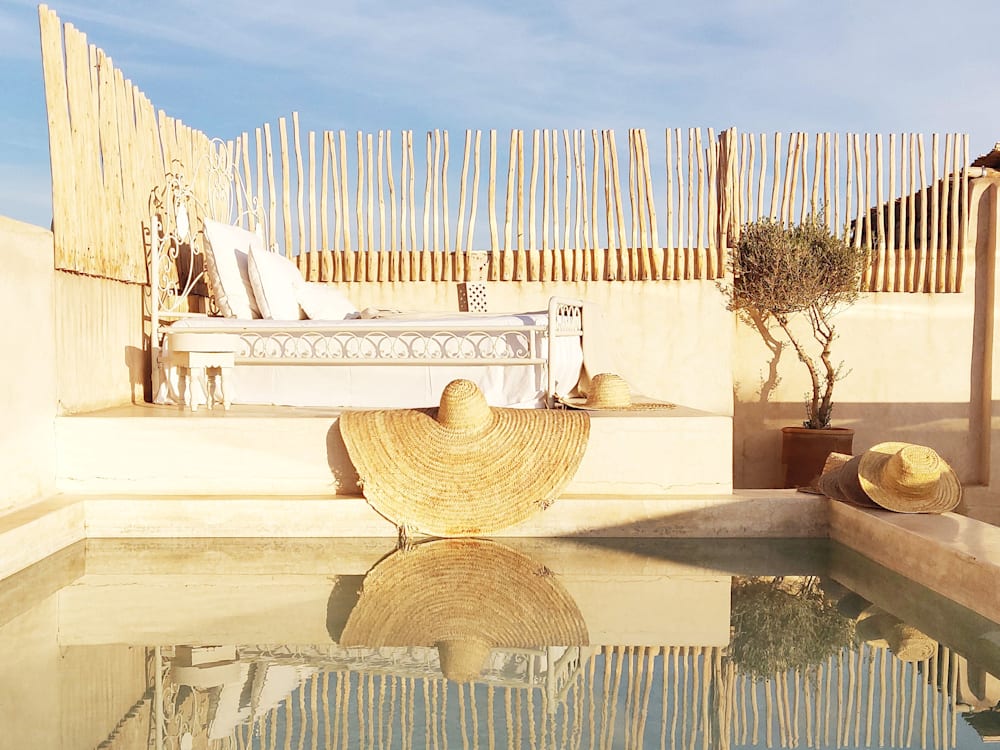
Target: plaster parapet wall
{"x": 99, "y": 342}
{"x": 27, "y": 398}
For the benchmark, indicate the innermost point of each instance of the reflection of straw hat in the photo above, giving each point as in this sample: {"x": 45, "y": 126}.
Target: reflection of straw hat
{"x": 841, "y": 481}
{"x": 610, "y": 392}
{"x": 464, "y": 468}
{"x": 465, "y": 596}
{"x": 909, "y": 478}
{"x": 883, "y": 630}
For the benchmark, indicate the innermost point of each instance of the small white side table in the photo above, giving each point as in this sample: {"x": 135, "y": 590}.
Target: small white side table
{"x": 203, "y": 358}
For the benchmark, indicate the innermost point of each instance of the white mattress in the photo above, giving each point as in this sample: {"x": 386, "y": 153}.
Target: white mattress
{"x": 391, "y": 386}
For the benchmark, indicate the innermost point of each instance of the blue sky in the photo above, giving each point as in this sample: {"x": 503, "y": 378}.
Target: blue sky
{"x": 760, "y": 65}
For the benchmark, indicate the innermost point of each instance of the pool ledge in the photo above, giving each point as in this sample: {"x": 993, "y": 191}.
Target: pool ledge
{"x": 955, "y": 556}
{"x": 952, "y": 555}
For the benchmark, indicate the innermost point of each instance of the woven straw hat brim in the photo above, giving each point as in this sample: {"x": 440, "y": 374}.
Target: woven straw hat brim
{"x": 580, "y": 402}
{"x": 444, "y": 482}
{"x": 463, "y": 590}
{"x": 945, "y": 496}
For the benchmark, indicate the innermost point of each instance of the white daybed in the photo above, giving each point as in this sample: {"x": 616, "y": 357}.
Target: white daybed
{"x": 338, "y": 359}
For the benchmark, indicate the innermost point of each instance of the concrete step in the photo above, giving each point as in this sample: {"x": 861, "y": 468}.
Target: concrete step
{"x": 283, "y": 451}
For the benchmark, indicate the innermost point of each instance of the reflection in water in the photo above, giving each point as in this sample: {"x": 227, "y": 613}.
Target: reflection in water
{"x": 556, "y": 697}
{"x": 841, "y": 655}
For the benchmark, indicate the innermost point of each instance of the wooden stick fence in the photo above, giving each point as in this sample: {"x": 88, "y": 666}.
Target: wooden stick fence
{"x": 109, "y": 149}
{"x": 350, "y": 209}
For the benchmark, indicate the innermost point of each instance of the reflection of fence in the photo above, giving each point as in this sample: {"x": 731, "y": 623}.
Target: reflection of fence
{"x": 568, "y": 205}
{"x": 858, "y": 699}
{"x": 620, "y": 697}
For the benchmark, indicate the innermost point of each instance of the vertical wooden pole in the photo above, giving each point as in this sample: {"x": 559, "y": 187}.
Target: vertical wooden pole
{"x": 965, "y": 208}
{"x": 684, "y": 267}
{"x": 596, "y": 265}
{"x": 382, "y": 271}
{"x": 393, "y": 227}
{"x": 626, "y": 270}
{"x": 567, "y": 248}
{"x": 494, "y": 239}
{"x": 475, "y": 192}
{"x": 933, "y": 262}
{"x": 432, "y": 200}
{"x": 414, "y": 260}
{"x": 611, "y": 265}
{"x": 669, "y": 267}
{"x": 903, "y": 250}
{"x": 786, "y": 184}
{"x": 286, "y": 187}
{"x": 405, "y": 248}
{"x": 944, "y": 248}
{"x": 957, "y": 209}
{"x": 889, "y": 208}
{"x": 313, "y": 242}
{"x": 300, "y": 189}
{"x": 520, "y": 264}
{"x": 708, "y": 264}
{"x": 447, "y": 266}
{"x": 694, "y": 260}
{"x": 777, "y": 174}
{"x": 656, "y": 259}
{"x": 460, "y": 271}
{"x": 506, "y": 272}
{"x": 324, "y": 196}
{"x": 425, "y": 248}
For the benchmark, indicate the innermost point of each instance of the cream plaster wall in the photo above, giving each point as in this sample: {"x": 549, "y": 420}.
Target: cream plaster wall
{"x": 99, "y": 340}
{"x": 27, "y": 395}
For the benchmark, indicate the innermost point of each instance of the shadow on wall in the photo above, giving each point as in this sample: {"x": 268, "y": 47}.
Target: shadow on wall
{"x": 952, "y": 429}
{"x": 137, "y": 362}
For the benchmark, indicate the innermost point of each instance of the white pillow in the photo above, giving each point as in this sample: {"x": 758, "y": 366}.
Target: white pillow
{"x": 275, "y": 281}
{"x": 226, "y": 261}
{"x": 325, "y": 302}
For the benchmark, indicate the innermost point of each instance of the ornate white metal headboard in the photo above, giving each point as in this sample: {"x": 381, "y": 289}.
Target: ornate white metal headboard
{"x": 177, "y": 281}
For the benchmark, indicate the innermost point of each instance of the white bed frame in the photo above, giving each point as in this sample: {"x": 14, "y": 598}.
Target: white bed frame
{"x": 177, "y": 277}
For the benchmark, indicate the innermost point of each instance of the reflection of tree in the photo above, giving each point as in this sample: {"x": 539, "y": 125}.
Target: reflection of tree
{"x": 784, "y": 623}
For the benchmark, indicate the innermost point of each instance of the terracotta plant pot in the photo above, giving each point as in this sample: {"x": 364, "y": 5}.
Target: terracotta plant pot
{"x": 804, "y": 451}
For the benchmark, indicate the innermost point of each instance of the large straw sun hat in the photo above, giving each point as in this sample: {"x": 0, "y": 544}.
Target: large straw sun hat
{"x": 466, "y": 597}
{"x": 908, "y": 478}
{"x": 464, "y": 468}
{"x": 610, "y": 392}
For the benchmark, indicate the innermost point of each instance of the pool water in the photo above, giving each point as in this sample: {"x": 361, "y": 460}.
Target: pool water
{"x": 528, "y": 643}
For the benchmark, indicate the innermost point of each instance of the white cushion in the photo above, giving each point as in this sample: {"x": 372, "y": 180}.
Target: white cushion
{"x": 325, "y": 302}
{"x": 226, "y": 268}
{"x": 275, "y": 281}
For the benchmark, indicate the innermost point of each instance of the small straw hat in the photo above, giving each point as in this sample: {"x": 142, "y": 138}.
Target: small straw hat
{"x": 909, "y": 478}
{"x": 610, "y": 392}
{"x": 833, "y": 462}
{"x": 840, "y": 481}
{"x": 882, "y": 630}
{"x": 464, "y": 468}
{"x": 466, "y": 597}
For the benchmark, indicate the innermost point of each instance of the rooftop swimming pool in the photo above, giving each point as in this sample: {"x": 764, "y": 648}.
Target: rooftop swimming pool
{"x": 524, "y": 643}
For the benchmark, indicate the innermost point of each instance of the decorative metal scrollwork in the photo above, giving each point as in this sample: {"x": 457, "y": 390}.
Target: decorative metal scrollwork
{"x": 369, "y": 346}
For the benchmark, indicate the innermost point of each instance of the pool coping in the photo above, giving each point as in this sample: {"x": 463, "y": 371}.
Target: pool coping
{"x": 955, "y": 556}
